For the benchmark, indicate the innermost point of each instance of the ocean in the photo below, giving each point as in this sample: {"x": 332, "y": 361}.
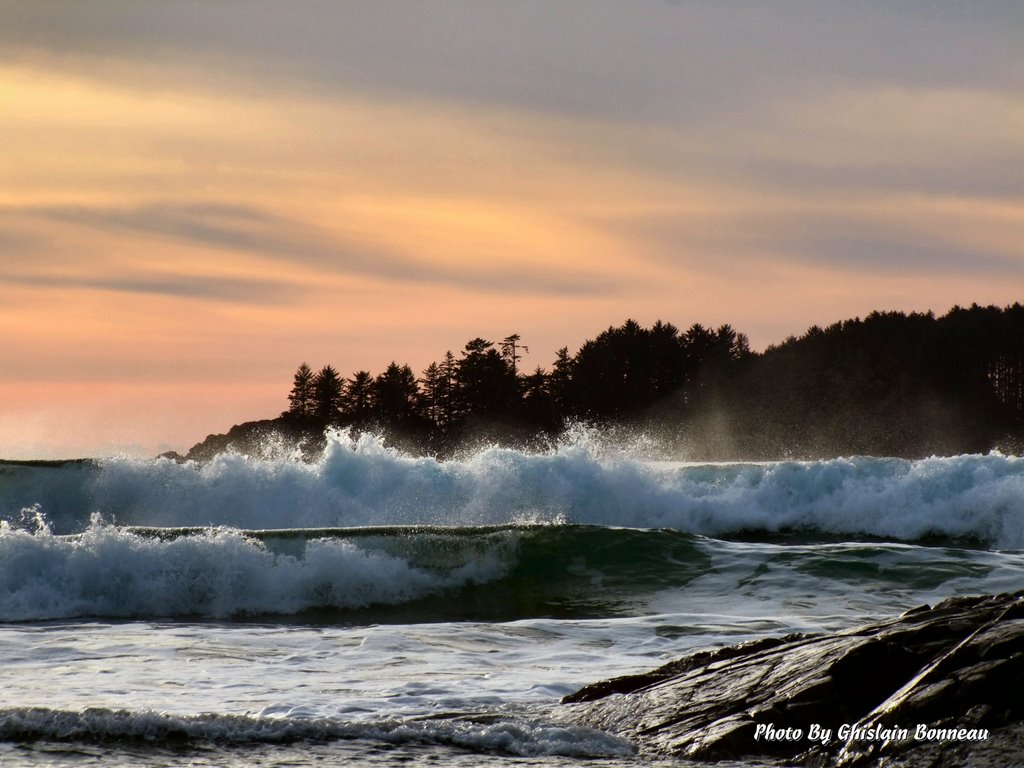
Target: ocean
{"x": 374, "y": 608}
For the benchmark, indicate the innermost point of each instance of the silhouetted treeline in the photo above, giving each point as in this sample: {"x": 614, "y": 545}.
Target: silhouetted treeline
{"x": 891, "y": 384}
{"x": 483, "y": 394}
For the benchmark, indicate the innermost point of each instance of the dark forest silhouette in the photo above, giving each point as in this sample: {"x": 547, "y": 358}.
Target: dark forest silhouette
{"x": 891, "y": 384}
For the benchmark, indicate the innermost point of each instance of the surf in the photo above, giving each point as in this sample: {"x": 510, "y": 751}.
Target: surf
{"x": 417, "y": 574}
{"x": 519, "y": 738}
{"x": 360, "y": 482}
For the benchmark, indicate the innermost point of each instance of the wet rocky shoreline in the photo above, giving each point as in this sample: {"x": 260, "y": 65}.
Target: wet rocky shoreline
{"x": 937, "y": 686}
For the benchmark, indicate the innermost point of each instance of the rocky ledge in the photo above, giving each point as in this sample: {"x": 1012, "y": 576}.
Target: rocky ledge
{"x": 937, "y": 686}
{"x": 263, "y": 439}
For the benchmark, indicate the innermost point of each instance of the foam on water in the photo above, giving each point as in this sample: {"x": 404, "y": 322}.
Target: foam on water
{"x": 360, "y": 482}
{"x": 111, "y": 572}
{"x": 567, "y": 566}
{"x": 104, "y": 725}
{"x": 410, "y": 575}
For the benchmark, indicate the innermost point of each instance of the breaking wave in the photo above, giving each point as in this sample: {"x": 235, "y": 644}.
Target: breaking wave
{"x": 360, "y": 482}
{"x": 429, "y": 574}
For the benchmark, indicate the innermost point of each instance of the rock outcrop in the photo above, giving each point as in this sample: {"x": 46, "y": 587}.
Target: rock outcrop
{"x": 265, "y": 438}
{"x": 938, "y": 686}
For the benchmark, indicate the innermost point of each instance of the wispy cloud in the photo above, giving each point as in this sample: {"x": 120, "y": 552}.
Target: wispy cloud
{"x": 879, "y": 238}
{"x": 260, "y": 233}
{"x": 651, "y": 60}
{"x": 220, "y": 289}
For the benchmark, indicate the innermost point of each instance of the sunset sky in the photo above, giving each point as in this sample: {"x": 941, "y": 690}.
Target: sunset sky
{"x": 196, "y": 196}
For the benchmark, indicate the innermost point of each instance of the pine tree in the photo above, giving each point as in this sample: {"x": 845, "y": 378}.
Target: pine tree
{"x": 448, "y": 396}
{"x": 510, "y": 347}
{"x": 357, "y": 397}
{"x": 560, "y": 383}
{"x": 395, "y": 395}
{"x": 484, "y": 380}
{"x": 302, "y": 397}
{"x": 327, "y": 388}
{"x": 432, "y": 394}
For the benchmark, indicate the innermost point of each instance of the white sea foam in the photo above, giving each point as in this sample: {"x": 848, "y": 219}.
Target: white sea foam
{"x": 509, "y": 737}
{"x": 360, "y": 482}
{"x": 110, "y": 572}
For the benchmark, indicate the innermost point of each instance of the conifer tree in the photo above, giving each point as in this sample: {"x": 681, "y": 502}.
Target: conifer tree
{"x": 395, "y": 394}
{"x": 448, "y": 399}
{"x": 484, "y": 379}
{"x": 302, "y": 398}
{"x": 560, "y": 383}
{"x": 357, "y": 397}
{"x": 432, "y": 394}
{"x": 327, "y": 388}
{"x": 510, "y": 347}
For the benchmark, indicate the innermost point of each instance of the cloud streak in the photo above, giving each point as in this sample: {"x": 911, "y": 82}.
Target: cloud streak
{"x": 201, "y": 287}
{"x": 887, "y": 237}
{"x": 295, "y": 246}
{"x": 587, "y": 57}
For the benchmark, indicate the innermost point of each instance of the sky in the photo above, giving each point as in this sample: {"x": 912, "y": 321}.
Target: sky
{"x": 196, "y": 196}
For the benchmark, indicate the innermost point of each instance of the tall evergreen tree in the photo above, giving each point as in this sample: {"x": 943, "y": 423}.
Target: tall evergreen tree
{"x": 327, "y": 387}
{"x": 484, "y": 380}
{"x": 357, "y": 398}
{"x": 395, "y": 395}
{"x": 667, "y": 359}
{"x": 302, "y": 398}
{"x": 449, "y": 397}
{"x": 432, "y": 393}
{"x": 510, "y": 347}
{"x": 539, "y": 409}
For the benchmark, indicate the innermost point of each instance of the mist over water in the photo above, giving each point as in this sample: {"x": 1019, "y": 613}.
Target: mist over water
{"x": 360, "y": 482}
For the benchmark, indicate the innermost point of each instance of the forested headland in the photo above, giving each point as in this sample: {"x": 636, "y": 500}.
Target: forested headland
{"x": 891, "y": 384}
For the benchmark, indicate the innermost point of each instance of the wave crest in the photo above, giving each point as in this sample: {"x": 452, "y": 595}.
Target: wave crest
{"x": 112, "y": 572}
{"x": 360, "y": 482}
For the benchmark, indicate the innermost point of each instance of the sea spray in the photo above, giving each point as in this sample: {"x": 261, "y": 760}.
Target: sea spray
{"x": 359, "y": 481}
{"x": 112, "y": 572}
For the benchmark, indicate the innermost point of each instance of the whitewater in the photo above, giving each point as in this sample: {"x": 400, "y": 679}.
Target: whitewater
{"x": 374, "y": 607}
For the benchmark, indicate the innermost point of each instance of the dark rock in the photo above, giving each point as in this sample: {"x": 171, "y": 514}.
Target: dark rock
{"x": 265, "y": 438}
{"x": 957, "y": 667}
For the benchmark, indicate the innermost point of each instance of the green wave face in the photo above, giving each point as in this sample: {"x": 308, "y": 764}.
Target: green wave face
{"x": 584, "y": 571}
{"x": 566, "y": 571}
{"x": 498, "y": 573}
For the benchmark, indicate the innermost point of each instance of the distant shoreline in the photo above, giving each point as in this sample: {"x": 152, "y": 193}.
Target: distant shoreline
{"x": 53, "y": 463}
